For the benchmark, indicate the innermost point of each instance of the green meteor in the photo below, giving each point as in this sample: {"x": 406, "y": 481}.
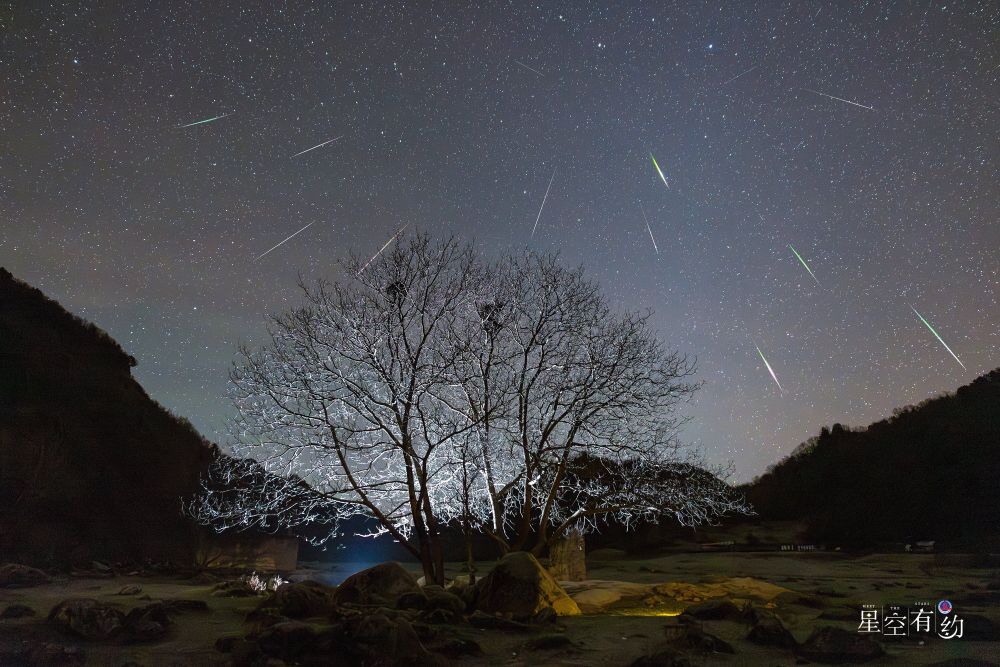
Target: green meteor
{"x": 804, "y": 263}
{"x": 928, "y": 325}
{"x": 207, "y": 120}
{"x": 659, "y": 171}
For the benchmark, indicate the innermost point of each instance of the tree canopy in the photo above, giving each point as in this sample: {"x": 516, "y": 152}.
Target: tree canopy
{"x": 434, "y": 386}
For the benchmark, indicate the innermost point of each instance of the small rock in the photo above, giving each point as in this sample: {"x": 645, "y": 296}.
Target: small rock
{"x": 131, "y": 589}
{"x": 180, "y": 605}
{"x": 830, "y": 593}
{"x": 545, "y": 616}
{"x": 13, "y": 575}
{"x": 16, "y": 610}
{"x": 225, "y": 644}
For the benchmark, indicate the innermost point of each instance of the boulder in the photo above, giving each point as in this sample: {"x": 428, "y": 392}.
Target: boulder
{"x": 394, "y": 639}
{"x": 834, "y": 646}
{"x": 13, "y": 575}
{"x": 147, "y": 624}
{"x": 769, "y": 631}
{"x": 288, "y": 640}
{"x": 16, "y": 610}
{"x": 520, "y": 586}
{"x": 412, "y": 600}
{"x": 303, "y": 599}
{"x": 442, "y": 606}
{"x": 87, "y": 618}
{"x": 686, "y": 635}
{"x": 381, "y": 585}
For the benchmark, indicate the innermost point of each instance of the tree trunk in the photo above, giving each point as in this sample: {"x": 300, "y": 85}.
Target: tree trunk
{"x": 567, "y": 556}
{"x": 470, "y": 561}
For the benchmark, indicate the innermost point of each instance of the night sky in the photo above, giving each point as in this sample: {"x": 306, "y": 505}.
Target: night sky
{"x": 454, "y": 119}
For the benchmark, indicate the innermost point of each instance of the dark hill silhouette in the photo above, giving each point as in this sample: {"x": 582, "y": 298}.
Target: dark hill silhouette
{"x": 90, "y": 466}
{"x": 929, "y": 472}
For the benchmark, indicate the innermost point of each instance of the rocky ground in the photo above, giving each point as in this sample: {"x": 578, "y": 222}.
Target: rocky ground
{"x": 680, "y": 609}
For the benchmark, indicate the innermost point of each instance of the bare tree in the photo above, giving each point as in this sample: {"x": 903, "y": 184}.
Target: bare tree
{"x": 351, "y": 393}
{"x": 575, "y": 380}
{"x": 433, "y": 387}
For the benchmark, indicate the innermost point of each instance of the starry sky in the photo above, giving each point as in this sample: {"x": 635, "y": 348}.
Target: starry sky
{"x": 454, "y": 118}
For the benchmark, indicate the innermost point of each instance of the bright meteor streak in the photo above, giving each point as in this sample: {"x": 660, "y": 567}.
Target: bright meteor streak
{"x": 328, "y": 141}
{"x": 539, "y": 216}
{"x": 839, "y": 99}
{"x": 804, "y": 263}
{"x": 380, "y": 250}
{"x": 207, "y": 120}
{"x": 928, "y": 325}
{"x": 769, "y": 369}
{"x": 738, "y": 76}
{"x": 659, "y": 171}
{"x": 648, "y": 229}
{"x": 285, "y": 241}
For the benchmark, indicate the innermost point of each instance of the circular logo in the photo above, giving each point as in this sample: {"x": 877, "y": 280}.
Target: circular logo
{"x": 944, "y": 607}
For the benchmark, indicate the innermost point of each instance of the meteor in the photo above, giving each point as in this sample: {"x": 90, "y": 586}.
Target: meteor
{"x": 285, "y": 241}
{"x": 928, "y": 325}
{"x": 769, "y": 369}
{"x": 648, "y": 229}
{"x": 804, "y": 263}
{"x": 659, "y": 171}
{"x": 529, "y": 68}
{"x": 375, "y": 256}
{"x": 738, "y": 76}
{"x": 539, "y": 216}
{"x": 207, "y": 120}
{"x": 328, "y": 141}
{"x": 840, "y": 99}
